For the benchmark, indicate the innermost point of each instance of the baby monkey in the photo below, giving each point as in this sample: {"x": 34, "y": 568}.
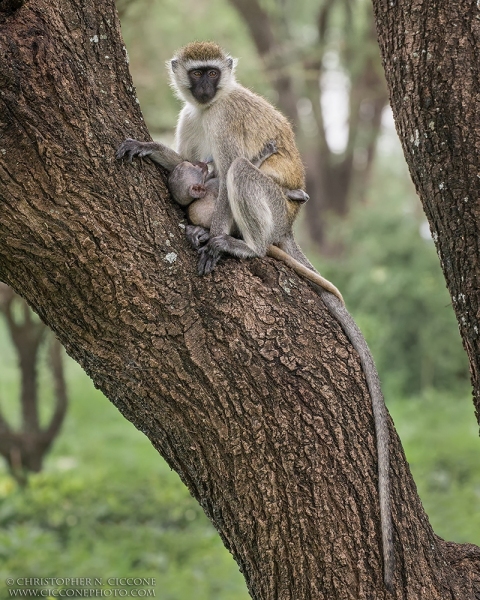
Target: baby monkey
{"x": 196, "y": 185}
{"x": 192, "y": 185}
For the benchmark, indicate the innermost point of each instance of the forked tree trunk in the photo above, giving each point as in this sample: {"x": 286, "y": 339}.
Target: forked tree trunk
{"x": 24, "y": 448}
{"x": 241, "y": 379}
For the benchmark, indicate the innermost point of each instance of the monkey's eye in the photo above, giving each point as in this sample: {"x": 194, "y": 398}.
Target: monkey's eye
{"x": 213, "y": 73}
{"x": 197, "y": 74}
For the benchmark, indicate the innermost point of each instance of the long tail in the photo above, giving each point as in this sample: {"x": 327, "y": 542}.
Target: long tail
{"x": 336, "y": 306}
{"x": 381, "y": 429}
{"x": 314, "y": 276}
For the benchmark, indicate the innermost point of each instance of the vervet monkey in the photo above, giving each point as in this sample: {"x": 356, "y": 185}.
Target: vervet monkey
{"x": 227, "y": 123}
{"x": 190, "y": 185}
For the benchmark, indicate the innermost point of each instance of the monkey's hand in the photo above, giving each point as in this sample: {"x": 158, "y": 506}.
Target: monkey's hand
{"x": 159, "y": 153}
{"x": 129, "y": 149}
{"x": 197, "y": 236}
{"x": 211, "y": 253}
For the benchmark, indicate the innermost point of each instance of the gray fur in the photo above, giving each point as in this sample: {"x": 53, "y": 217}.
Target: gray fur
{"x": 159, "y": 153}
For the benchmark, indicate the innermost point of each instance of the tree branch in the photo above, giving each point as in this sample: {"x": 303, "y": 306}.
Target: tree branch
{"x": 431, "y": 64}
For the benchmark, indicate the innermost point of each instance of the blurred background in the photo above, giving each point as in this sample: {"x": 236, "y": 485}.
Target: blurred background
{"x": 82, "y": 493}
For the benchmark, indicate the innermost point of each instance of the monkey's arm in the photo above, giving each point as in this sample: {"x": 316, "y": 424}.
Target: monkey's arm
{"x": 159, "y": 153}
{"x": 221, "y": 226}
{"x": 271, "y": 148}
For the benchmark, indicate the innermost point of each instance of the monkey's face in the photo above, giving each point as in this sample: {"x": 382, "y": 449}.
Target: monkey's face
{"x": 203, "y": 83}
{"x": 186, "y": 182}
{"x": 201, "y": 72}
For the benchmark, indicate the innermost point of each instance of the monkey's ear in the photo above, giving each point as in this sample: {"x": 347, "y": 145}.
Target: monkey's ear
{"x": 174, "y": 63}
{"x": 232, "y": 63}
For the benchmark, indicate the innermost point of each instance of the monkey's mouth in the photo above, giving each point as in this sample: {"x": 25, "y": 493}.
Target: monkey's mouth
{"x": 204, "y": 98}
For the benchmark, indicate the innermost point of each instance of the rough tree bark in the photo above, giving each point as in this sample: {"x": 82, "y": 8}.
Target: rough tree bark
{"x": 241, "y": 379}
{"x": 431, "y": 58}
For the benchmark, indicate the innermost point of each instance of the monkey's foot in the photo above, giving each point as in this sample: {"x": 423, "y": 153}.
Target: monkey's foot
{"x": 298, "y": 196}
{"x": 198, "y": 190}
{"x": 211, "y": 253}
{"x": 129, "y": 148}
{"x": 197, "y": 236}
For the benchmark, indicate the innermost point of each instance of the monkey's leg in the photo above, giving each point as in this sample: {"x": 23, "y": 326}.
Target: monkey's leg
{"x": 259, "y": 209}
{"x": 159, "y": 153}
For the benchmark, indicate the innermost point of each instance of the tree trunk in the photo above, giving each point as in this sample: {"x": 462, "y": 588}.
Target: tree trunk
{"x": 241, "y": 380}
{"x": 430, "y": 54}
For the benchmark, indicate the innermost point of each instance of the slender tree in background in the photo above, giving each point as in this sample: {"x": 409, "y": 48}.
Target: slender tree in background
{"x": 25, "y": 448}
{"x": 241, "y": 379}
{"x": 296, "y": 69}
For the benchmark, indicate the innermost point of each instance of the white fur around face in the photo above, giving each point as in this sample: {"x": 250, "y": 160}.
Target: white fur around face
{"x": 180, "y": 81}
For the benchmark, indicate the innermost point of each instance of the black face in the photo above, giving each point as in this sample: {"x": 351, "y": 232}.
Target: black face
{"x": 204, "y": 82}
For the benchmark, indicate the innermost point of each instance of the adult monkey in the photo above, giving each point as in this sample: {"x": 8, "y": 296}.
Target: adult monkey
{"x": 223, "y": 121}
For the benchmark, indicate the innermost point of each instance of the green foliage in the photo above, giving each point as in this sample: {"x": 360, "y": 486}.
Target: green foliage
{"x": 391, "y": 279}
